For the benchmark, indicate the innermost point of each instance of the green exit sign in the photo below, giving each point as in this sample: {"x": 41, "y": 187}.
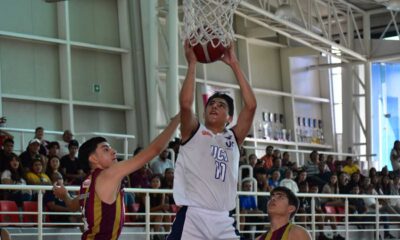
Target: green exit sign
{"x": 96, "y": 88}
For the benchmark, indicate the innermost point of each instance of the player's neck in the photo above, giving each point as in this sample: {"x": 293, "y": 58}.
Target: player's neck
{"x": 278, "y": 222}
{"x": 215, "y": 128}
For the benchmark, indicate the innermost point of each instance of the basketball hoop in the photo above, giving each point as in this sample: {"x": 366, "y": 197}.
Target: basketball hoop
{"x": 206, "y": 21}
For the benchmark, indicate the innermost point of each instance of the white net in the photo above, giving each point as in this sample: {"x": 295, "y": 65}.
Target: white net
{"x": 209, "y": 20}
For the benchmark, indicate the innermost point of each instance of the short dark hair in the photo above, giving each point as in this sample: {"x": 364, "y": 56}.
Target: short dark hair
{"x": 8, "y": 140}
{"x": 53, "y": 144}
{"x": 260, "y": 170}
{"x": 226, "y": 97}
{"x": 86, "y": 150}
{"x": 293, "y": 200}
{"x": 73, "y": 143}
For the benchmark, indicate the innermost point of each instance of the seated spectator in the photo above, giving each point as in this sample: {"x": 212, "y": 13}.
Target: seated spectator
{"x": 277, "y": 166}
{"x": 395, "y": 190}
{"x": 321, "y": 157}
{"x": 70, "y": 166}
{"x": 384, "y": 172}
{"x": 304, "y": 202}
{"x": 243, "y": 156}
{"x": 332, "y": 187}
{"x": 289, "y": 182}
{"x": 141, "y": 178}
{"x": 31, "y": 153}
{"x": 395, "y": 157}
{"x": 159, "y": 203}
{"x": 339, "y": 167}
{"x": 350, "y": 167}
{"x": 161, "y": 163}
{"x": 8, "y": 148}
{"x": 273, "y": 182}
{"x": 252, "y": 161}
{"x": 344, "y": 187}
{"x": 311, "y": 166}
{"x": 248, "y": 205}
{"x": 301, "y": 177}
{"x": 261, "y": 176}
{"x": 372, "y": 172}
{"x": 262, "y": 179}
{"x": 364, "y": 184}
{"x": 13, "y": 174}
{"x": 285, "y": 159}
{"x": 53, "y": 166}
{"x": 4, "y": 134}
{"x": 175, "y": 145}
{"x": 267, "y": 158}
{"x": 39, "y": 134}
{"x": 54, "y": 150}
{"x": 66, "y": 138}
{"x": 54, "y": 204}
{"x": 323, "y": 176}
{"x": 355, "y": 179}
{"x": 276, "y": 153}
{"x": 36, "y": 176}
{"x": 305, "y": 208}
{"x": 168, "y": 183}
{"x": 370, "y": 204}
{"x": 331, "y": 164}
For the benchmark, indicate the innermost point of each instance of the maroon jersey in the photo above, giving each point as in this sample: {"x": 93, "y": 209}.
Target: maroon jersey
{"x": 101, "y": 220}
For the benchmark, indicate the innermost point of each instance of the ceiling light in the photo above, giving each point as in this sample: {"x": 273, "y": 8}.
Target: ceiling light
{"x": 393, "y": 5}
{"x": 285, "y": 12}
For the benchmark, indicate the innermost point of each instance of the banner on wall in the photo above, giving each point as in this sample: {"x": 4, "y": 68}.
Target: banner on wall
{"x": 207, "y": 91}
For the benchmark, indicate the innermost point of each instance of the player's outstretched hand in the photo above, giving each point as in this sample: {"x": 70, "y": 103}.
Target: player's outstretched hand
{"x": 189, "y": 53}
{"x": 229, "y": 56}
{"x": 60, "y": 191}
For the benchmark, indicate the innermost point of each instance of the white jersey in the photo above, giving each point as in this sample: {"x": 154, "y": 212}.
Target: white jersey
{"x": 206, "y": 171}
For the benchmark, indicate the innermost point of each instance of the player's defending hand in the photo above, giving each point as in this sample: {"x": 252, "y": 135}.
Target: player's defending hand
{"x": 60, "y": 192}
{"x": 189, "y": 53}
{"x": 229, "y": 56}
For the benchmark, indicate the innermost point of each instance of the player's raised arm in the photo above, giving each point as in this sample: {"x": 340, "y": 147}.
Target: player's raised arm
{"x": 124, "y": 168}
{"x": 246, "y": 115}
{"x": 189, "y": 121}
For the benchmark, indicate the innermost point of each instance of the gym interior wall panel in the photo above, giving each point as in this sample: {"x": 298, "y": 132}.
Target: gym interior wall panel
{"x": 219, "y": 71}
{"x": 268, "y": 103}
{"x": 265, "y": 67}
{"x": 90, "y": 68}
{"x": 34, "y": 17}
{"x": 89, "y": 119}
{"x": 305, "y": 82}
{"x": 29, "y": 115}
{"x": 308, "y": 109}
{"x": 94, "y": 21}
{"x": 29, "y": 69}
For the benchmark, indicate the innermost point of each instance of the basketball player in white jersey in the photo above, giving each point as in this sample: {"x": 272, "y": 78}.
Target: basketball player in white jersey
{"x": 206, "y": 171}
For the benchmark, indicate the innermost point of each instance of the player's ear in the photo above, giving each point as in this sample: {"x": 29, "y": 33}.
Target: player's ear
{"x": 92, "y": 158}
{"x": 291, "y": 209}
{"x": 229, "y": 119}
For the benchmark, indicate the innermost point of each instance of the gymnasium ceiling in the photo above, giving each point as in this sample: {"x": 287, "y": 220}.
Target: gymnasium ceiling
{"x": 334, "y": 27}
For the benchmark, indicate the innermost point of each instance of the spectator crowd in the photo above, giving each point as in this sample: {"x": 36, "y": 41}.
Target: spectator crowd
{"x": 55, "y": 162}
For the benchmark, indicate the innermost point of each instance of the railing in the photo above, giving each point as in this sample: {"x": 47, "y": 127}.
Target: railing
{"x": 345, "y": 226}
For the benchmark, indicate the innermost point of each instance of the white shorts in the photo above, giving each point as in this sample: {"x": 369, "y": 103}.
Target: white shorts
{"x": 192, "y": 223}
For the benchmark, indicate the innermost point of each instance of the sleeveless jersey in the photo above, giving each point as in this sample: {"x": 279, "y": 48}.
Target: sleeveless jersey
{"x": 206, "y": 171}
{"x": 281, "y": 233}
{"x": 101, "y": 220}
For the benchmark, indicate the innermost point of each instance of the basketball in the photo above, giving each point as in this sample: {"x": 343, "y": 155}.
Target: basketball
{"x": 207, "y": 53}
